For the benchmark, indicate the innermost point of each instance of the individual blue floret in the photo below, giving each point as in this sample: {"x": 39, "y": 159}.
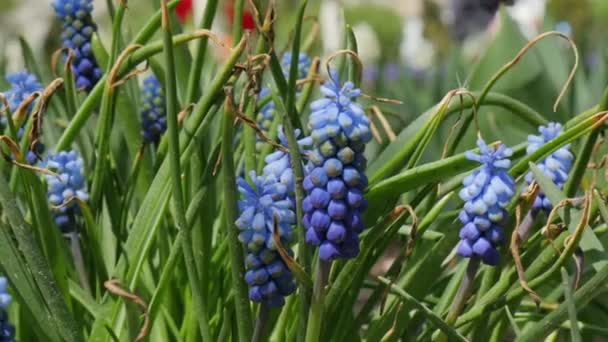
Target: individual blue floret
{"x": 7, "y": 330}
{"x": 261, "y": 204}
{"x": 486, "y": 194}
{"x": 334, "y": 185}
{"x": 78, "y": 29}
{"x": 153, "y": 112}
{"x": 68, "y": 182}
{"x": 556, "y": 166}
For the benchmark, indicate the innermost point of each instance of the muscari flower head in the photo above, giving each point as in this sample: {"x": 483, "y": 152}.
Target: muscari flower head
{"x": 556, "y": 166}
{"x": 262, "y": 203}
{"x": 68, "y": 182}
{"x": 486, "y": 194}
{"x": 267, "y": 112}
{"x": 303, "y": 64}
{"x": 78, "y": 28}
{"x": 7, "y": 330}
{"x": 278, "y": 163}
{"x": 153, "y": 113}
{"x": 23, "y": 84}
{"x": 336, "y": 179}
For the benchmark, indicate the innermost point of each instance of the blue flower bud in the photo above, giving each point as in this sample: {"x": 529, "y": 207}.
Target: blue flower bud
{"x": 78, "y": 29}
{"x": 486, "y": 193}
{"x": 68, "y": 182}
{"x": 556, "y": 166}
{"x": 153, "y": 111}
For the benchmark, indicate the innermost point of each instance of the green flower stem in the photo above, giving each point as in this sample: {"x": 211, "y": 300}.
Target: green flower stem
{"x": 243, "y": 311}
{"x": 237, "y": 26}
{"x": 95, "y": 96}
{"x": 200, "y": 302}
{"x": 317, "y": 307}
{"x": 463, "y": 294}
{"x": 260, "y": 324}
{"x": 200, "y": 52}
{"x": 553, "y": 320}
{"x": 249, "y": 138}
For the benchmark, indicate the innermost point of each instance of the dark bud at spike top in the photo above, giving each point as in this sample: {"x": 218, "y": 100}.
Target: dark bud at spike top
{"x": 78, "y": 29}
{"x": 486, "y": 194}
{"x": 556, "y": 166}
{"x": 336, "y": 178}
{"x": 153, "y": 112}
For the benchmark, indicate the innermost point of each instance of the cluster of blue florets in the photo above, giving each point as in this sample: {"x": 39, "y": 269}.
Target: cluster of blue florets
{"x": 303, "y": 64}
{"x": 262, "y": 204}
{"x": 267, "y": 112}
{"x": 69, "y": 182}
{"x": 556, "y": 166}
{"x": 278, "y": 163}
{"x": 153, "y": 112}
{"x": 78, "y": 29}
{"x": 23, "y": 84}
{"x": 486, "y": 194}
{"x": 7, "y": 330}
{"x": 336, "y": 179}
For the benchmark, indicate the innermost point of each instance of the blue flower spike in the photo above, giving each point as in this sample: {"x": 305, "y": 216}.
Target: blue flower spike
{"x": 268, "y": 277}
{"x": 267, "y": 112}
{"x": 78, "y": 29}
{"x": 153, "y": 112}
{"x": 303, "y": 64}
{"x": 334, "y": 202}
{"x": 23, "y": 84}
{"x": 7, "y": 330}
{"x": 68, "y": 182}
{"x": 486, "y": 194}
{"x": 556, "y": 166}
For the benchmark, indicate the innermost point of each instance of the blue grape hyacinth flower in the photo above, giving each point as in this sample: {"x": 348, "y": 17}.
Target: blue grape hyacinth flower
{"x": 7, "y": 330}
{"x": 23, "y": 84}
{"x": 268, "y": 277}
{"x": 303, "y": 64}
{"x": 268, "y": 111}
{"x": 68, "y": 183}
{"x": 78, "y": 29}
{"x": 556, "y": 166}
{"x": 153, "y": 112}
{"x": 278, "y": 163}
{"x": 334, "y": 185}
{"x": 486, "y": 194}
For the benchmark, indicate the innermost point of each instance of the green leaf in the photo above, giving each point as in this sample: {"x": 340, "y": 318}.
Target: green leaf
{"x": 575, "y": 334}
{"x": 552, "y": 321}
{"x": 589, "y": 240}
{"x": 433, "y": 318}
